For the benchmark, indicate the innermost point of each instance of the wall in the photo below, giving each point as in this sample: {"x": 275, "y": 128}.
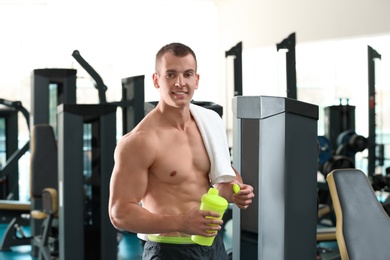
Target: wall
{"x": 264, "y": 22}
{"x": 118, "y": 38}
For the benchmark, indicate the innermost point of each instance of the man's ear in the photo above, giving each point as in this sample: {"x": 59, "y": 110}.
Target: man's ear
{"x": 197, "y": 81}
{"x": 155, "y": 80}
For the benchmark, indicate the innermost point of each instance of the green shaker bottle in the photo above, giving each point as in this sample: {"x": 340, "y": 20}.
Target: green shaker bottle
{"x": 213, "y": 202}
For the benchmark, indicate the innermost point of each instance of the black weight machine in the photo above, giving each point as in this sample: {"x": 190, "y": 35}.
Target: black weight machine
{"x": 272, "y": 217}
{"x": 341, "y": 143}
{"x": 11, "y": 208}
{"x": 50, "y": 87}
{"x": 236, "y": 51}
{"x": 9, "y": 172}
{"x": 133, "y": 94}
{"x": 85, "y": 230}
{"x": 275, "y": 144}
{"x": 251, "y": 238}
{"x": 53, "y": 93}
{"x": 376, "y": 151}
{"x": 86, "y": 141}
{"x": 291, "y": 77}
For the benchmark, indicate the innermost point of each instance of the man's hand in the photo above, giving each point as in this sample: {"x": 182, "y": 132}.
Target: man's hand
{"x": 244, "y": 197}
{"x": 202, "y": 222}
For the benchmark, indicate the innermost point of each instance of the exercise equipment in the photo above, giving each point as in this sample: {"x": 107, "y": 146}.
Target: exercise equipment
{"x": 9, "y": 172}
{"x": 47, "y": 241}
{"x": 349, "y": 143}
{"x": 363, "y": 226}
{"x": 372, "y": 55}
{"x": 12, "y": 211}
{"x": 325, "y": 149}
{"x": 100, "y": 86}
{"x": 275, "y": 150}
{"x": 133, "y": 94}
{"x": 132, "y": 103}
{"x": 236, "y": 51}
{"x": 291, "y": 77}
{"x": 85, "y": 230}
{"x": 44, "y": 187}
{"x": 341, "y": 137}
{"x": 91, "y": 173}
{"x": 43, "y": 175}
{"x": 50, "y": 88}
{"x": 337, "y": 119}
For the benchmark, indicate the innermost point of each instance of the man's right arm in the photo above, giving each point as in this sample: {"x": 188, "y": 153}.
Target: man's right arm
{"x": 133, "y": 157}
{"x": 129, "y": 182}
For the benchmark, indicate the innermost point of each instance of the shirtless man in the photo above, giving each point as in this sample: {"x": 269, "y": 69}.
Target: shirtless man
{"x": 163, "y": 165}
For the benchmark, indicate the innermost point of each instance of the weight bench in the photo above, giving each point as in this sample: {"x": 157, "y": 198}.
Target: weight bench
{"x": 362, "y": 225}
{"x": 44, "y": 177}
{"x": 46, "y": 242}
{"x": 44, "y": 184}
{"x": 18, "y": 212}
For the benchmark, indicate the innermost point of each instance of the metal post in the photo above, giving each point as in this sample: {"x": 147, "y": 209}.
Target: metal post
{"x": 237, "y": 52}
{"x": 132, "y": 91}
{"x": 289, "y": 44}
{"x": 75, "y": 233}
{"x": 278, "y": 157}
{"x": 372, "y": 54}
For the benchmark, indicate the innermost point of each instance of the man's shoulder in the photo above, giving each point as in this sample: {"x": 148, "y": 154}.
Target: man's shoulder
{"x": 139, "y": 136}
{"x": 204, "y": 110}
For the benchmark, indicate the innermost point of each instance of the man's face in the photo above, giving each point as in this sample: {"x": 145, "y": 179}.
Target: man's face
{"x": 177, "y": 79}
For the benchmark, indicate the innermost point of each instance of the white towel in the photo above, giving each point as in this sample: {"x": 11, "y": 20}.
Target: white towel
{"x": 213, "y": 132}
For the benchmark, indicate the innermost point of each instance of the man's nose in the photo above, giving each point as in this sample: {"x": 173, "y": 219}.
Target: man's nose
{"x": 180, "y": 82}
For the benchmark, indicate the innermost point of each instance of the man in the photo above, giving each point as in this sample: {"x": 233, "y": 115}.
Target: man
{"x": 163, "y": 164}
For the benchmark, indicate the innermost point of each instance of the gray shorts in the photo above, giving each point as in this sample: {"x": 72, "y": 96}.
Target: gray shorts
{"x": 165, "y": 251}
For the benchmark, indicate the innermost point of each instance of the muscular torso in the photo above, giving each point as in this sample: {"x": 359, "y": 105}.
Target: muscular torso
{"x": 179, "y": 175}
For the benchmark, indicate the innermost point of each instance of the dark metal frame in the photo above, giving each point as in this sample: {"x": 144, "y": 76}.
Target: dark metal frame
{"x": 289, "y": 44}
{"x": 372, "y": 158}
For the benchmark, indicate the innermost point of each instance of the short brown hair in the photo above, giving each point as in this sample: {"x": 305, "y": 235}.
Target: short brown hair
{"x": 177, "y": 49}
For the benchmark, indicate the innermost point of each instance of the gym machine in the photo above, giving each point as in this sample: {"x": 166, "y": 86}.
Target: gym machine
{"x": 340, "y": 143}
{"x": 337, "y": 119}
{"x": 275, "y": 149}
{"x": 289, "y": 44}
{"x": 337, "y": 149}
{"x": 236, "y": 51}
{"x": 85, "y": 231}
{"x": 133, "y": 95}
{"x": 50, "y": 88}
{"x": 100, "y": 86}
{"x": 11, "y": 209}
{"x": 372, "y": 144}
{"x": 9, "y": 172}
{"x": 132, "y": 103}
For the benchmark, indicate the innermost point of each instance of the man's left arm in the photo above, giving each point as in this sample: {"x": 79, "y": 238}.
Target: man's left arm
{"x": 242, "y": 198}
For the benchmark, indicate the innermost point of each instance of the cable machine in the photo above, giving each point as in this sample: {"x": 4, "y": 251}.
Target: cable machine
{"x": 289, "y": 44}
{"x": 237, "y": 52}
{"x": 372, "y": 145}
{"x": 9, "y": 172}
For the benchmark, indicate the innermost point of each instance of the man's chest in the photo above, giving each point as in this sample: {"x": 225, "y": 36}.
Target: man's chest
{"x": 180, "y": 155}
